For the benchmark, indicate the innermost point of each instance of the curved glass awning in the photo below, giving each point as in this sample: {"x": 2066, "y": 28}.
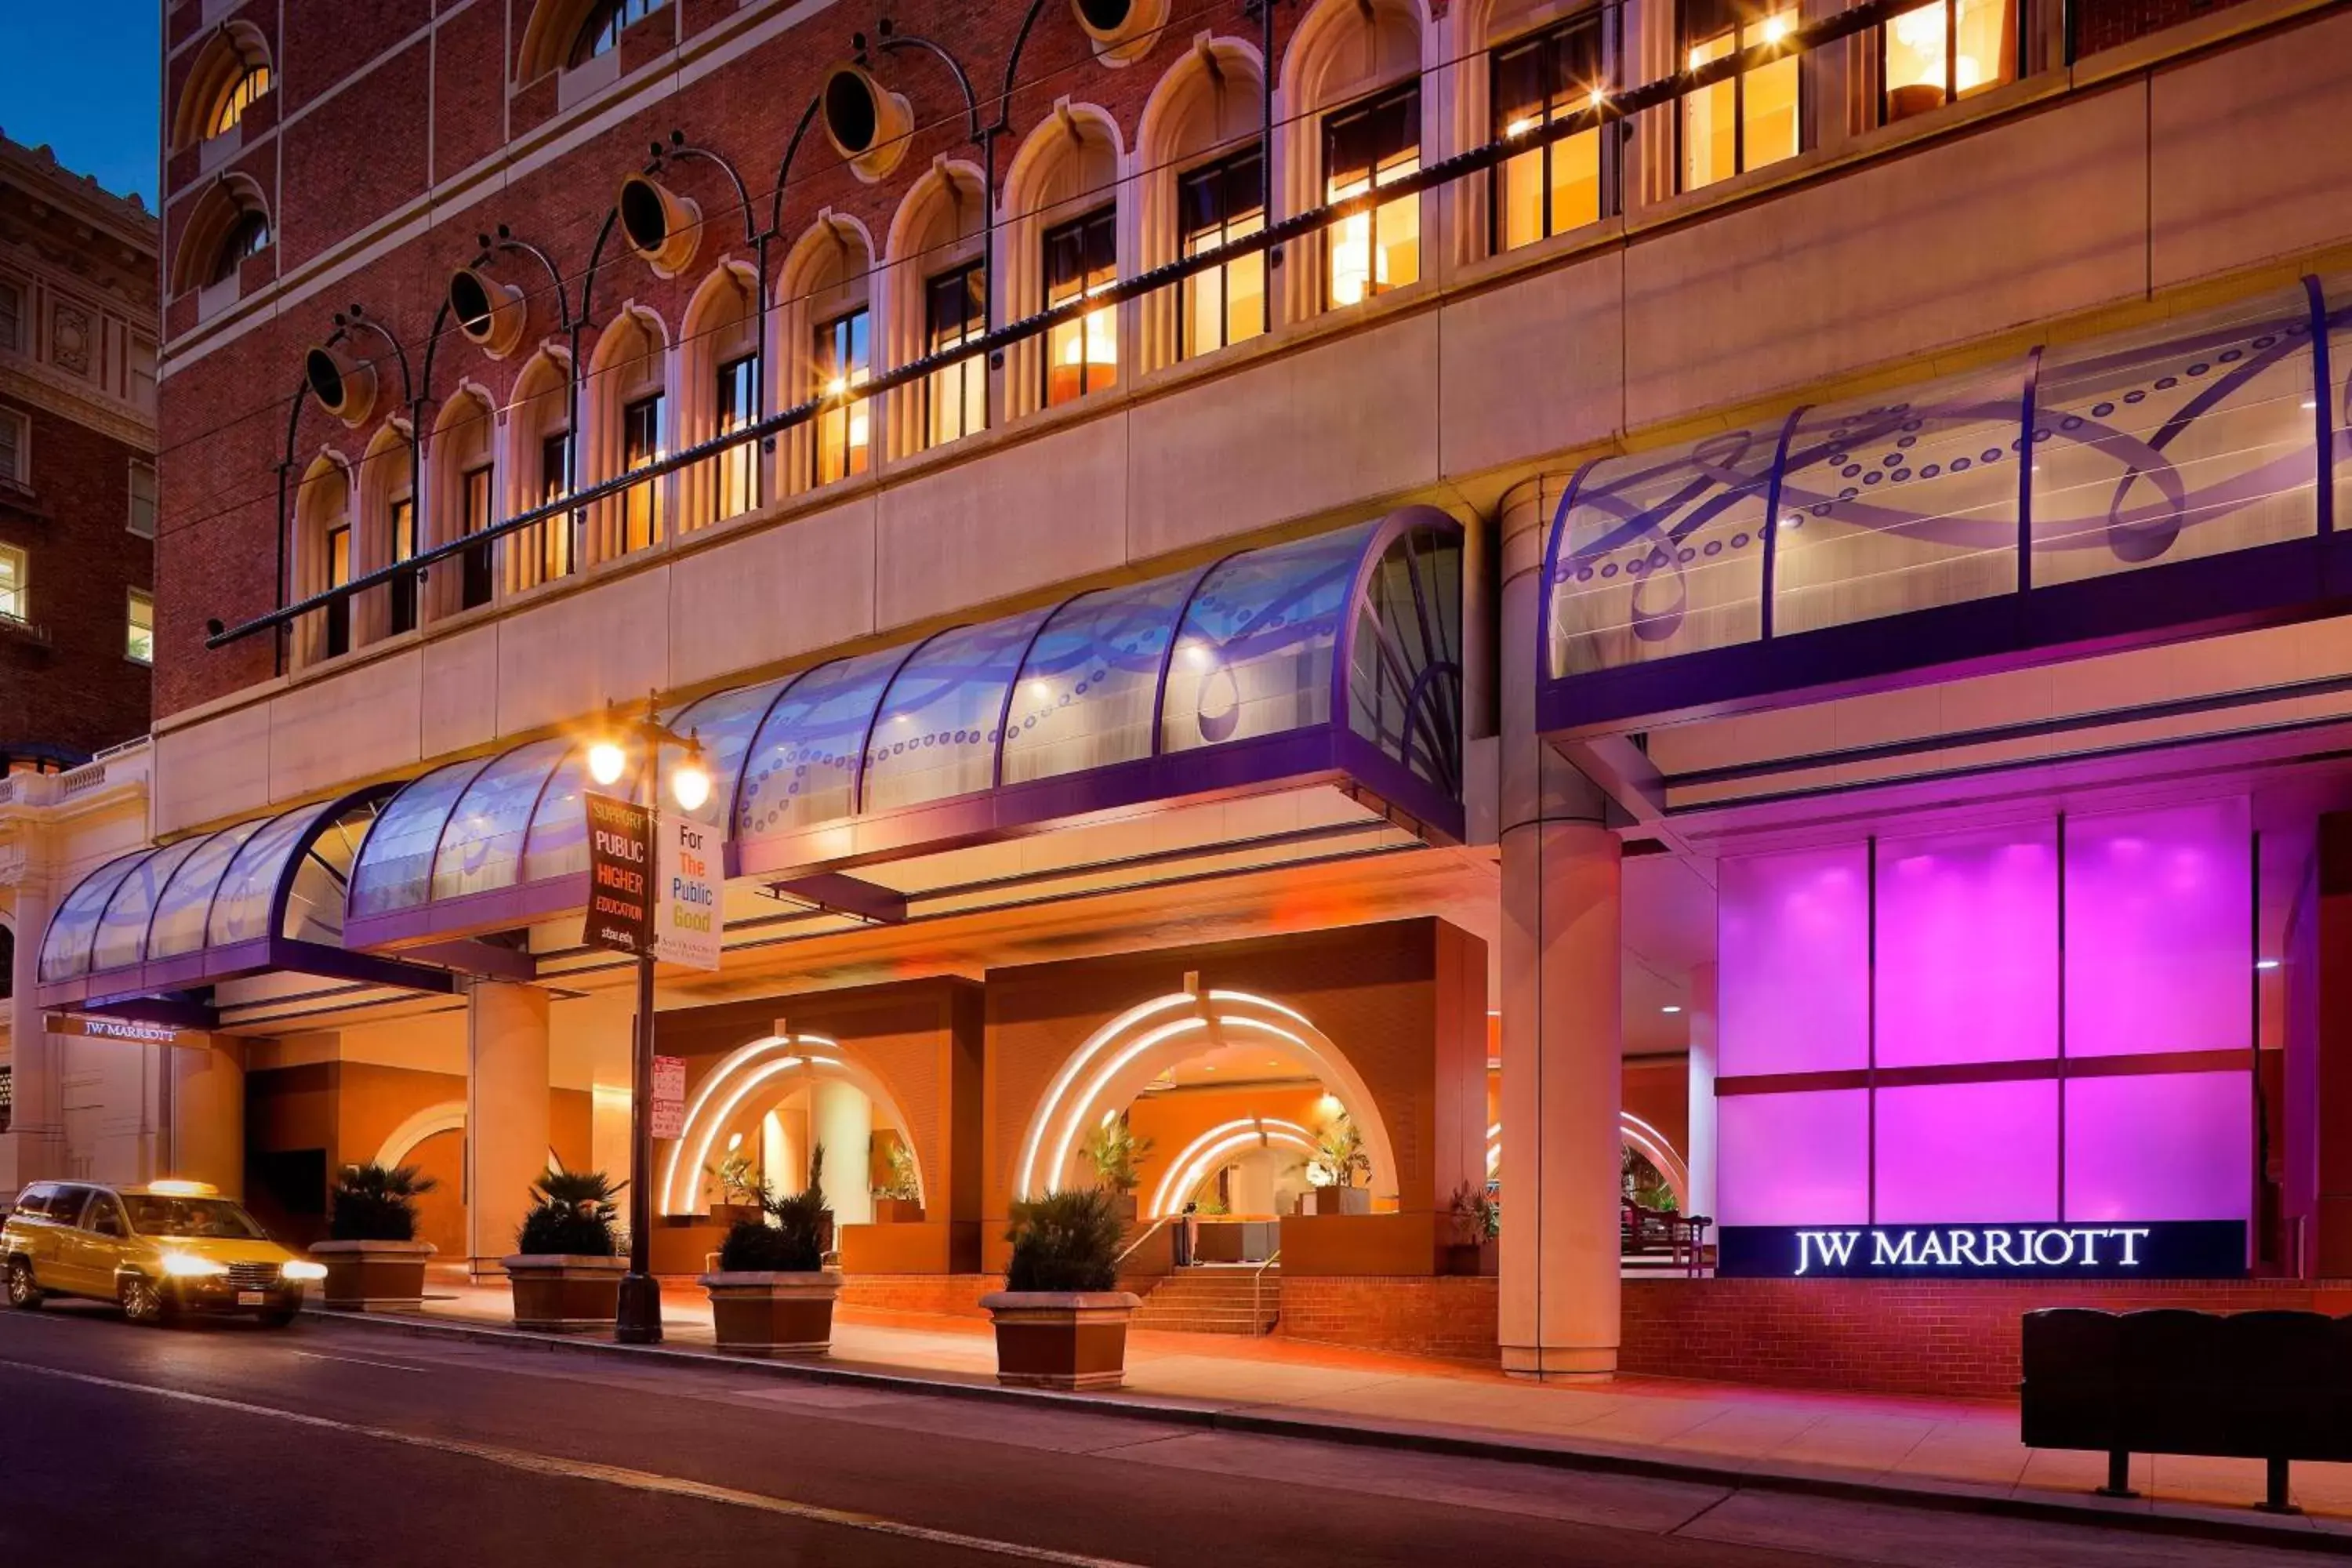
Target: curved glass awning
{"x": 1330, "y": 659}
{"x": 1979, "y": 520}
{"x": 156, "y": 925}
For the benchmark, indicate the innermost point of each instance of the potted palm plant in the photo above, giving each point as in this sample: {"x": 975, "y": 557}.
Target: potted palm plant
{"x": 564, "y": 1271}
{"x": 899, "y": 1199}
{"x": 374, "y": 1261}
{"x": 1114, "y": 1150}
{"x": 1337, "y": 1160}
{"x": 1477, "y": 1217}
{"x": 772, "y": 1294}
{"x": 1061, "y": 1318}
{"x": 740, "y": 1190}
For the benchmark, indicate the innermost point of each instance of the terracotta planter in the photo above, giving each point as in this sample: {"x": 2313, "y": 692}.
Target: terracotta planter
{"x": 565, "y": 1293}
{"x": 773, "y": 1314}
{"x": 1061, "y": 1339}
{"x": 372, "y": 1275}
{"x": 1343, "y": 1200}
{"x": 897, "y": 1211}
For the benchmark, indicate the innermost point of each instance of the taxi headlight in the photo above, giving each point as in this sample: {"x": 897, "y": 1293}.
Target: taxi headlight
{"x": 301, "y": 1270}
{"x": 188, "y": 1266}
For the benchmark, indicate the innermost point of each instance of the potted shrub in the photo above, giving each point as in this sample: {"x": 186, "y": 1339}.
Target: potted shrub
{"x": 772, "y": 1294}
{"x": 741, "y": 1191}
{"x": 1337, "y": 1160}
{"x": 1477, "y": 1217}
{"x": 899, "y": 1199}
{"x": 564, "y": 1271}
{"x": 1061, "y": 1318}
{"x": 374, "y": 1261}
{"x": 1114, "y": 1150}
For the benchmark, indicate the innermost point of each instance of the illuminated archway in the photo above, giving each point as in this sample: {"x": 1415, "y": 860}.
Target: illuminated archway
{"x": 1635, "y": 1134}
{"x": 1118, "y": 1062}
{"x": 1200, "y": 1159}
{"x": 448, "y": 1116}
{"x": 771, "y": 1066}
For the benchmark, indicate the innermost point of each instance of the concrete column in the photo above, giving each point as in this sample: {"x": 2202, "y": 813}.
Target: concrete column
{"x": 1700, "y": 1155}
{"x": 1562, "y": 1014}
{"x": 33, "y": 1147}
{"x": 842, "y": 1119}
{"x": 506, "y": 1114}
{"x": 207, "y": 1113}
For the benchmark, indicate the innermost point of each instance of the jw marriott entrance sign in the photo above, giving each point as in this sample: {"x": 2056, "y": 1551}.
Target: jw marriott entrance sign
{"x": 2175, "y": 1249}
{"x": 620, "y": 875}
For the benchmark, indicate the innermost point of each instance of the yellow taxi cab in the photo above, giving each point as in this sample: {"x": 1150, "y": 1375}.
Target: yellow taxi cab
{"x": 157, "y": 1251}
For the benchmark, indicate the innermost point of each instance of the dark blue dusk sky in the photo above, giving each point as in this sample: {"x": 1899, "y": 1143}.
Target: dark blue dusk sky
{"x": 80, "y": 75}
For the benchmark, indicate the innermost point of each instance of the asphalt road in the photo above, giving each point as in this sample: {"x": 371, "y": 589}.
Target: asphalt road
{"x": 330, "y": 1444}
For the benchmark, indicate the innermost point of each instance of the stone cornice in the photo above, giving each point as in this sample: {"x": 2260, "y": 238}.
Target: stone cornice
{"x": 46, "y": 387}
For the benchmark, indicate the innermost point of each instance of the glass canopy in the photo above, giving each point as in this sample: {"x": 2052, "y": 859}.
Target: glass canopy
{"x": 1209, "y": 678}
{"x": 2199, "y": 438}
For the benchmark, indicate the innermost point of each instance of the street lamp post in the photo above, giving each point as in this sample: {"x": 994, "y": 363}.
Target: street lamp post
{"x": 639, "y": 1320}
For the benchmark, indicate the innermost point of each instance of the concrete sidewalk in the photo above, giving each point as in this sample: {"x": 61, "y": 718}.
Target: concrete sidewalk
{"x": 1946, "y": 1452}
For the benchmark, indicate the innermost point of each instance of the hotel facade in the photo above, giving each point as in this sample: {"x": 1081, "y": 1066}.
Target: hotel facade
{"x": 1754, "y": 587}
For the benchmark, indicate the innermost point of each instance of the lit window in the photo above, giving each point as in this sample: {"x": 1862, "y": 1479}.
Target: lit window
{"x": 845, "y": 362}
{"x": 15, "y": 438}
{"x": 954, "y": 307}
{"x": 640, "y": 444}
{"x": 1372, "y": 144}
{"x": 1218, "y": 204}
{"x": 15, "y": 594}
{"x": 1552, "y": 189}
{"x": 142, "y": 499}
{"x": 739, "y": 466}
{"x": 1081, "y": 259}
{"x": 474, "y": 581}
{"x": 11, "y": 316}
{"x": 1941, "y": 53}
{"x": 1750, "y": 119}
{"x": 403, "y": 589}
{"x": 241, "y": 96}
{"x": 554, "y": 484}
{"x": 602, "y": 33}
{"x": 139, "y": 638}
{"x": 250, "y": 235}
{"x": 339, "y": 572}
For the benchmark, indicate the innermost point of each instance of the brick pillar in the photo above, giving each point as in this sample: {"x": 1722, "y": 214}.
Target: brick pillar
{"x": 506, "y": 1114}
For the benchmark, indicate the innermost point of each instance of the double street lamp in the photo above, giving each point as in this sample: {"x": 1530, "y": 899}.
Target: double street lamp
{"x": 623, "y": 746}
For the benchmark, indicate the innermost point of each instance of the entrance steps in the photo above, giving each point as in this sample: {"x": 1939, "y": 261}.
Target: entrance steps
{"x": 1213, "y": 1299}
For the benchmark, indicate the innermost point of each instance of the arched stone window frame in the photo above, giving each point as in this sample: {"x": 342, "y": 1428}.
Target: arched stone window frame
{"x": 631, "y": 361}
{"x": 941, "y": 223}
{"x": 214, "y": 220}
{"x": 1205, "y": 108}
{"x": 828, "y": 273}
{"x": 721, "y": 324}
{"x": 222, "y": 62}
{"x": 1073, "y": 163}
{"x": 465, "y": 438}
{"x": 538, "y": 408}
{"x": 551, "y": 31}
{"x": 322, "y": 503}
{"x": 386, "y": 473}
{"x": 1469, "y": 33}
{"x": 1342, "y": 52}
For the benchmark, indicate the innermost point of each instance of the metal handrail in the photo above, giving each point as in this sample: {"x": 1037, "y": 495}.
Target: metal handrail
{"x": 1141, "y": 1237}
{"x": 1257, "y": 1290}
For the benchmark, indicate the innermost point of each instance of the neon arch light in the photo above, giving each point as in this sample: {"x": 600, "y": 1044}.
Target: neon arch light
{"x": 1643, "y": 1138}
{"x": 1203, "y": 1155}
{"x": 1117, "y": 1060}
{"x": 723, "y": 1091}
{"x": 448, "y": 1116}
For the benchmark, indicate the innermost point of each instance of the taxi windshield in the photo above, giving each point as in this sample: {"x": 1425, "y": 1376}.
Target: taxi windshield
{"x": 155, "y": 1215}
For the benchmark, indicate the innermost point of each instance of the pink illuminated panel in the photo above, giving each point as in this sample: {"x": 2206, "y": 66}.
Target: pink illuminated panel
{"x": 2159, "y": 944}
{"x": 2159, "y": 1146}
{"x": 1950, "y": 1154}
{"x": 1794, "y": 1159}
{"x": 1967, "y": 949}
{"x": 1795, "y": 978}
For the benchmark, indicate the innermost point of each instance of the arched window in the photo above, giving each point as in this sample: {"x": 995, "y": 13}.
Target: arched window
{"x": 321, "y": 557}
{"x": 600, "y": 32}
{"x": 538, "y": 469}
{"x": 250, "y": 235}
{"x": 227, "y": 225}
{"x": 252, "y": 85}
{"x": 824, "y": 335}
{"x": 565, "y": 35}
{"x": 1554, "y": 58}
{"x": 627, "y": 427}
{"x": 1061, "y": 244}
{"x": 230, "y": 74}
{"x": 1351, "y": 92}
{"x": 718, "y": 379}
{"x": 1201, "y": 184}
{"x": 938, "y": 298}
{"x": 462, "y": 499}
{"x": 387, "y": 532}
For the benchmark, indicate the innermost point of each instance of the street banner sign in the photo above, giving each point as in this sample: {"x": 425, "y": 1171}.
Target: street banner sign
{"x": 620, "y": 883}
{"x": 687, "y": 918}
{"x": 667, "y": 1106}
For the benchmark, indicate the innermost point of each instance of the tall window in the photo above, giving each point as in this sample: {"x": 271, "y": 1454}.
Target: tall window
{"x": 1366, "y": 146}
{"x": 12, "y": 317}
{"x": 142, "y": 499}
{"x": 339, "y": 572}
{"x": 555, "y": 534}
{"x": 15, "y": 591}
{"x": 601, "y": 32}
{"x": 1552, "y": 189}
{"x": 248, "y": 237}
{"x": 845, "y": 362}
{"x": 1081, "y": 259}
{"x": 138, "y": 635}
{"x": 473, "y": 579}
{"x": 738, "y": 466}
{"x": 1941, "y": 53}
{"x": 640, "y": 444}
{"x": 142, "y": 374}
{"x": 403, "y": 589}
{"x": 1752, "y": 117}
{"x": 956, "y": 398}
{"x": 1218, "y": 203}
{"x": 249, "y": 88}
{"x": 16, "y": 461}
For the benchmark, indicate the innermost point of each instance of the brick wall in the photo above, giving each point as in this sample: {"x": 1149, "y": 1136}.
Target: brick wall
{"x": 1452, "y": 1318}
{"x": 2104, "y": 24}
{"x": 949, "y": 1295}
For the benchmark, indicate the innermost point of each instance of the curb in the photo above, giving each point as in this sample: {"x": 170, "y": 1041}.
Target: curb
{"x": 2191, "y": 1520}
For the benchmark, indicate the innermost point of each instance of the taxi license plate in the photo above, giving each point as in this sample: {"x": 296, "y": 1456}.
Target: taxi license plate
{"x": 249, "y": 1298}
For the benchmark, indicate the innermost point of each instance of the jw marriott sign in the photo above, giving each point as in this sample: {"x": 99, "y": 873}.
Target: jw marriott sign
{"x": 2175, "y": 1249}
